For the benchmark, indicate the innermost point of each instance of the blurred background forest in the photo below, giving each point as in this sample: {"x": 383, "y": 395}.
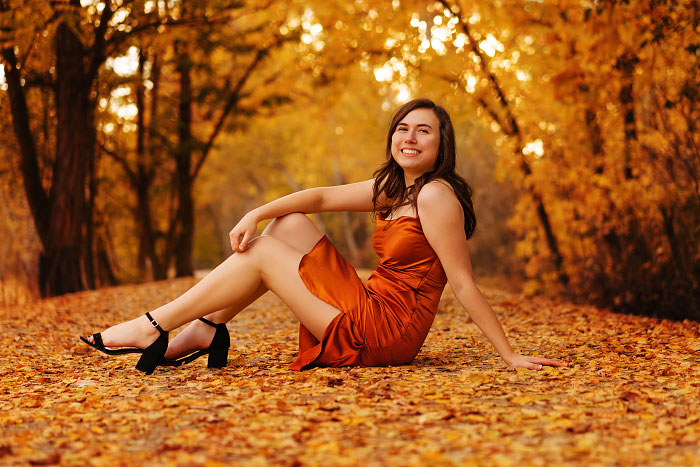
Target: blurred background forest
{"x": 135, "y": 133}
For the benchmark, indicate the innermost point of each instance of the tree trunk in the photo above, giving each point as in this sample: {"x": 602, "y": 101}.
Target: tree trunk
{"x": 348, "y": 231}
{"x": 185, "y": 213}
{"x": 89, "y": 244}
{"x": 104, "y": 262}
{"x": 626, "y": 64}
{"x": 185, "y": 242}
{"x": 150, "y": 266}
{"x": 60, "y": 217}
{"x": 61, "y": 264}
{"x": 36, "y": 196}
{"x": 144, "y": 262}
{"x": 595, "y": 135}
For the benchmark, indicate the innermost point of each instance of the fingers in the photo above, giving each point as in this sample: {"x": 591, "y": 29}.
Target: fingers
{"x": 244, "y": 243}
{"x": 535, "y": 363}
{"x": 236, "y": 241}
{"x": 529, "y": 365}
{"x": 239, "y": 240}
{"x": 234, "y": 237}
{"x": 545, "y": 361}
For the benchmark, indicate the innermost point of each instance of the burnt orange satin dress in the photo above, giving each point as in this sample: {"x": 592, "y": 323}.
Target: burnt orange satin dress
{"x": 385, "y": 321}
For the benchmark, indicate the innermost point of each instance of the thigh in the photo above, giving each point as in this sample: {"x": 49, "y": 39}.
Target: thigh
{"x": 296, "y": 230}
{"x": 279, "y": 271}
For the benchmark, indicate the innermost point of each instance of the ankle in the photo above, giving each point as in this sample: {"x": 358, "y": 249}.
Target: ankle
{"x": 147, "y": 328}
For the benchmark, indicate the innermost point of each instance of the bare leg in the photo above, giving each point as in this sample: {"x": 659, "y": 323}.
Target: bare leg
{"x": 198, "y": 335}
{"x": 269, "y": 262}
{"x": 299, "y": 232}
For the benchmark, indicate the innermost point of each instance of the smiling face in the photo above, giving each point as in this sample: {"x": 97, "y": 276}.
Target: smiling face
{"x": 415, "y": 143}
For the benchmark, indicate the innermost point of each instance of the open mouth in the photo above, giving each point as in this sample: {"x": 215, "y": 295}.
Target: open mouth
{"x": 410, "y": 152}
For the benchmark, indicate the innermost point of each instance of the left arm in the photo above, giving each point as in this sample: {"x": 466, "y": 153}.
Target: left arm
{"x": 443, "y": 224}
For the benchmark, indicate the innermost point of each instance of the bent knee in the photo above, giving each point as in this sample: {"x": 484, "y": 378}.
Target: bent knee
{"x": 287, "y": 224}
{"x": 262, "y": 244}
{"x": 295, "y": 229}
{"x": 270, "y": 252}
{"x": 267, "y": 246}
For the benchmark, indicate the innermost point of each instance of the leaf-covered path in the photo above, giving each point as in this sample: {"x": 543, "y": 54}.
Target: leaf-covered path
{"x": 628, "y": 397}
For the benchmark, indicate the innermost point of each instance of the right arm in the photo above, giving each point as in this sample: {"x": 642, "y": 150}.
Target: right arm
{"x": 351, "y": 197}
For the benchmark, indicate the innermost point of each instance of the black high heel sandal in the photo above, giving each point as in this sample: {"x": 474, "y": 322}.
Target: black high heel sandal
{"x": 150, "y": 356}
{"x": 217, "y": 350}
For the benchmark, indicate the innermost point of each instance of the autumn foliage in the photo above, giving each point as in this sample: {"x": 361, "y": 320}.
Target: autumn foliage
{"x": 622, "y": 181}
{"x": 134, "y": 134}
{"x": 629, "y": 395}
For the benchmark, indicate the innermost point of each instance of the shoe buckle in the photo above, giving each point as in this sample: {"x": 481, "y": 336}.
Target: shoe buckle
{"x": 153, "y": 321}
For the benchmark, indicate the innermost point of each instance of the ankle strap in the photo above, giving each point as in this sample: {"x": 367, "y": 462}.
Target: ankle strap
{"x": 204, "y": 320}
{"x": 154, "y": 322}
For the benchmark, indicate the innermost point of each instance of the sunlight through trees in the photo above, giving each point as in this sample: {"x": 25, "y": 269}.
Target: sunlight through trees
{"x": 135, "y": 133}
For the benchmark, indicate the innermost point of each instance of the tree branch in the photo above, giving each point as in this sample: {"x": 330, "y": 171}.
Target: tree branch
{"x": 119, "y": 159}
{"x": 118, "y": 37}
{"x": 231, "y": 102}
{"x": 484, "y": 64}
{"x": 98, "y": 47}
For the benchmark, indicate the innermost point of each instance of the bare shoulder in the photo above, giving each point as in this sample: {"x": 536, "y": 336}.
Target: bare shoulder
{"x": 438, "y": 196}
{"x": 442, "y": 221}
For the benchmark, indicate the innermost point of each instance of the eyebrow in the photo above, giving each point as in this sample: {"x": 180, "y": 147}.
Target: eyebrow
{"x": 420, "y": 124}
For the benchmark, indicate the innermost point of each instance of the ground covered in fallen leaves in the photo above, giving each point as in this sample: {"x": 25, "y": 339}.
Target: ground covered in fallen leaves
{"x": 630, "y": 395}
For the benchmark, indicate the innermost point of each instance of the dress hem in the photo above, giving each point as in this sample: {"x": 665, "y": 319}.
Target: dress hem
{"x": 308, "y": 357}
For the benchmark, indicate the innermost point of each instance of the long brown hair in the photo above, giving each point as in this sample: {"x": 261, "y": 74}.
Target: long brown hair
{"x": 389, "y": 178}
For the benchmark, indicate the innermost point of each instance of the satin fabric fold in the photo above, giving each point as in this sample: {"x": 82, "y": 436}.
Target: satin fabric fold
{"x": 385, "y": 321}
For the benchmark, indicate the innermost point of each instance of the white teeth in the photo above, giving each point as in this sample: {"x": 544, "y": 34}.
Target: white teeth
{"x": 409, "y": 151}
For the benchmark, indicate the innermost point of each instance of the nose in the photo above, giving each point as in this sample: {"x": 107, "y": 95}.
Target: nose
{"x": 411, "y": 136}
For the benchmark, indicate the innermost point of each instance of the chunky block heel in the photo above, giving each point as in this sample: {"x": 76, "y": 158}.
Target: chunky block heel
{"x": 218, "y": 358}
{"x": 217, "y": 350}
{"x": 218, "y": 353}
{"x": 154, "y": 353}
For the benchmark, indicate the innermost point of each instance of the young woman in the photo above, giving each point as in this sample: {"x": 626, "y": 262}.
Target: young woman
{"x": 424, "y": 218}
